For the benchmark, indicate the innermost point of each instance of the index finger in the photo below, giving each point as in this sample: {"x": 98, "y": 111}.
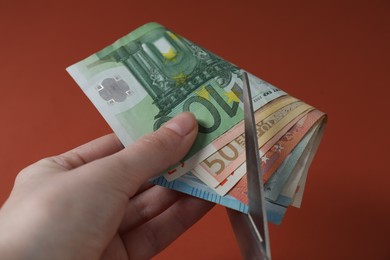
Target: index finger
{"x": 93, "y": 150}
{"x": 127, "y": 169}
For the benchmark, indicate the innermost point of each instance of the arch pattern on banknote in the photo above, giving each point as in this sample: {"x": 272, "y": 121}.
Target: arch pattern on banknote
{"x": 170, "y": 77}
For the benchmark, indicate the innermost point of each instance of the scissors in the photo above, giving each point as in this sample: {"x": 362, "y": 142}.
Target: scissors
{"x": 251, "y": 230}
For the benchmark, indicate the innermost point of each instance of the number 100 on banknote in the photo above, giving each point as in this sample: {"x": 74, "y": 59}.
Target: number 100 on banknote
{"x": 152, "y": 74}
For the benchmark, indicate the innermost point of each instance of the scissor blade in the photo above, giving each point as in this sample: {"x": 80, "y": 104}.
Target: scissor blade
{"x": 247, "y": 236}
{"x": 257, "y": 214}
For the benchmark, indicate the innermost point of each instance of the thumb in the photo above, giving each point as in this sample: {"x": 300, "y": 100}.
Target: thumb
{"x": 127, "y": 169}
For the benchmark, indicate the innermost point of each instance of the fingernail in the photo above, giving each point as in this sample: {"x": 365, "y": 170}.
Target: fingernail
{"x": 181, "y": 124}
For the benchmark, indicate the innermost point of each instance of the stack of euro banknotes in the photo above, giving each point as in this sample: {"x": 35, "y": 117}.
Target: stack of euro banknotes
{"x": 152, "y": 74}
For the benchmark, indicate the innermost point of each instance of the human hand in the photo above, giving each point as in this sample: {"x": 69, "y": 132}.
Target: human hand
{"x": 94, "y": 201}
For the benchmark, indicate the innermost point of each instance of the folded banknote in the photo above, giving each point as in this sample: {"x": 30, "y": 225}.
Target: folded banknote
{"x": 152, "y": 74}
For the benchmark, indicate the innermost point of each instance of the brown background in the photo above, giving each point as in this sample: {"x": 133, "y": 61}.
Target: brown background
{"x": 331, "y": 54}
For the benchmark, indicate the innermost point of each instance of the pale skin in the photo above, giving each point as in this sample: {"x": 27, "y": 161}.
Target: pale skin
{"x": 94, "y": 202}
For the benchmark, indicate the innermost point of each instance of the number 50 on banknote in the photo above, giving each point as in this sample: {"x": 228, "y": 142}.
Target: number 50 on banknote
{"x": 150, "y": 75}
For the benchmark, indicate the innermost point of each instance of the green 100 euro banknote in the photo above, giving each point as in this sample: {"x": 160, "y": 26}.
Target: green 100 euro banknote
{"x": 148, "y": 76}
